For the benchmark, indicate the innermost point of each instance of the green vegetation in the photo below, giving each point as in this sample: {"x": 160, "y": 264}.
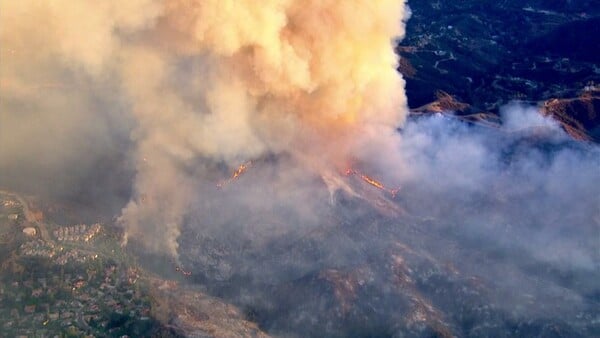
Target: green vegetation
{"x": 71, "y": 287}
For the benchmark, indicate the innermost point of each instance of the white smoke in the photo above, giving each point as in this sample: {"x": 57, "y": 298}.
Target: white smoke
{"x": 518, "y": 117}
{"x": 512, "y": 186}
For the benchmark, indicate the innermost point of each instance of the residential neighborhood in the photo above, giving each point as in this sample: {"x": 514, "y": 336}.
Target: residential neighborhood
{"x": 75, "y": 282}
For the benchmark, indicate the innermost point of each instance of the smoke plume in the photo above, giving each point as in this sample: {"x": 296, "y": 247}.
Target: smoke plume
{"x": 181, "y": 88}
{"x": 267, "y": 134}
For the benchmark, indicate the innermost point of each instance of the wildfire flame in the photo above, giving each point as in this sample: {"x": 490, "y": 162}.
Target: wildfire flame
{"x": 236, "y": 174}
{"x": 377, "y": 184}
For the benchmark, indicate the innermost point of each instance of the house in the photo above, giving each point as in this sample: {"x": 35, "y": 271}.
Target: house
{"x": 30, "y": 231}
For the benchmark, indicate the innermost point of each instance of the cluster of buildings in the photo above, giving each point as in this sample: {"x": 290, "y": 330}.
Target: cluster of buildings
{"x": 11, "y": 206}
{"x": 10, "y": 203}
{"x": 37, "y": 248}
{"x": 74, "y": 256}
{"x": 62, "y": 285}
{"x": 77, "y": 233}
{"x": 80, "y": 303}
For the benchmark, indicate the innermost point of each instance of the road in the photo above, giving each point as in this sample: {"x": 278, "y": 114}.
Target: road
{"x": 30, "y": 216}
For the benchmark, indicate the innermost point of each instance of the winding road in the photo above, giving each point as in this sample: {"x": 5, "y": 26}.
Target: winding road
{"x": 29, "y": 215}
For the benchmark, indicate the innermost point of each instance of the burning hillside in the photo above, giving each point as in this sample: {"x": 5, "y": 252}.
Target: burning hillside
{"x": 448, "y": 260}
{"x": 192, "y": 87}
{"x": 333, "y": 214}
{"x": 373, "y": 182}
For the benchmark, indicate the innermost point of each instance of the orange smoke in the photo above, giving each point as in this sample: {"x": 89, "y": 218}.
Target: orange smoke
{"x": 216, "y": 80}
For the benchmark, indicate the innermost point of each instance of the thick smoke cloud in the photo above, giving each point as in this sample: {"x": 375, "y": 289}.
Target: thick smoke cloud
{"x": 63, "y": 131}
{"x": 520, "y": 197}
{"x": 525, "y": 185}
{"x": 147, "y": 105}
{"x": 194, "y": 84}
{"x": 514, "y": 207}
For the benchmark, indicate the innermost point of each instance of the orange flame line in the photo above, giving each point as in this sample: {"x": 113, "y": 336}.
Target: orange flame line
{"x": 372, "y": 182}
{"x": 236, "y": 174}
